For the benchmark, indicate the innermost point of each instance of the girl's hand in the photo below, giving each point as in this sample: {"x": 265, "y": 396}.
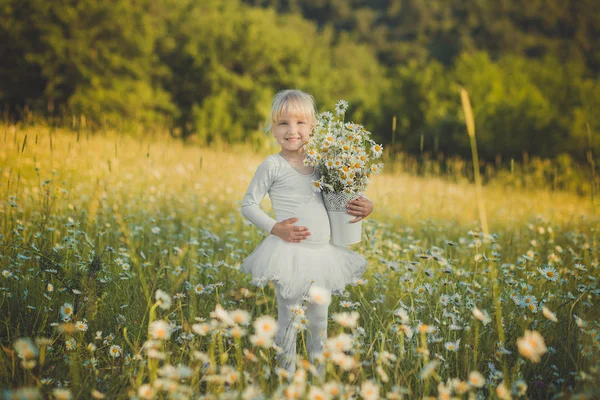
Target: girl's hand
{"x": 360, "y": 207}
{"x": 288, "y": 232}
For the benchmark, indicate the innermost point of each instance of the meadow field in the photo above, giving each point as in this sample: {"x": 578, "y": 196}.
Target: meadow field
{"x": 120, "y": 255}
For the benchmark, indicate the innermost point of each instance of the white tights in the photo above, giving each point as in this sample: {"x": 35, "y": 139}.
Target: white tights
{"x": 316, "y": 335}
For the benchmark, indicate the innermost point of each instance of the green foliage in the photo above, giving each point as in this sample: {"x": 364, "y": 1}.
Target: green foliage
{"x": 208, "y": 70}
{"x": 93, "y": 58}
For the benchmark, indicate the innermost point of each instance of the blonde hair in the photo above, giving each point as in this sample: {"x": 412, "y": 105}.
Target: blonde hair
{"x": 293, "y": 102}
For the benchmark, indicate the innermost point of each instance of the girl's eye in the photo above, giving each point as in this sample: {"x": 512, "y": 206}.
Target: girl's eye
{"x": 283, "y": 123}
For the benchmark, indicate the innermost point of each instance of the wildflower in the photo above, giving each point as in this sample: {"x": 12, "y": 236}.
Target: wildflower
{"x": 549, "y": 314}
{"x": 237, "y": 332}
{"x": 229, "y": 374}
{"x": 386, "y": 357}
{"x": 317, "y": 186}
{"x": 347, "y": 320}
{"x": 297, "y": 310}
{"x": 222, "y": 315}
{"x": 265, "y": 325}
{"x": 200, "y": 289}
{"x": 481, "y": 315}
{"x": 240, "y": 317}
{"x": 369, "y": 390}
{"x": 429, "y": 368}
{"x": 81, "y": 326}
{"x": 50, "y": 288}
{"x": 202, "y": 357}
{"x": 382, "y": 374}
{"x": 476, "y": 379}
{"x": 376, "y": 149}
{"x": 340, "y": 107}
{"x": 340, "y": 343}
{"x": 452, "y": 346}
{"x": 319, "y": 295}
{"x": 401, "y": 312}
{"x": 316, "y": 393}
{"x": 502, "y": 392}
{"x": 25, "y": 348}
{"x": 531, "y": 345}
{"x": 293, "y": 392}
{"x": 98, "y": 394}
{"x": 407, "y": 330}
{"x": 332, "y": 388}
{"x": 549, "y": 273}
{"x": 529, "y": 301}
{"x": 460, "y": 387}
{"x": 115, "y": 351}
{"x": 201, "y": 329}
{"x": 91, "y": 347}
{"x": 424, "y": 328}
{"x": 520, "y": 387}
{"x": 160, "y": 330}
{"x": 146, "y": 391}
{"x": 262, "y": 340}
{"x": 580, "y": 267}
{"x": 252, "y": 392}
{"x": 444, "y": 391}
{"x": 163, "y": 299}
{"x": 360, "y": 282}
{"x": 70, "y": 344}
{"x": 66, "y": 311}
{"x": 345, "y": 362}
{"x": 156, "y": 230}
{"x": 61, "y": 394}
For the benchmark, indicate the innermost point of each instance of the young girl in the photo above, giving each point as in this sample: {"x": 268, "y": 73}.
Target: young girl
{"x": 297, "y": 253}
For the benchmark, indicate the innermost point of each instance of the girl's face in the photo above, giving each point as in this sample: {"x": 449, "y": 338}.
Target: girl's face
{"x": 292, "y": 132}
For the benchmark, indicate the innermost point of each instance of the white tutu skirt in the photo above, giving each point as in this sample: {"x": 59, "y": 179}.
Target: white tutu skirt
{"x": 294, "y": 267}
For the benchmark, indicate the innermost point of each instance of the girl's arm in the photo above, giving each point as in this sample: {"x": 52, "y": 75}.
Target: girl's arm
{"x": 361, "y": 208}
{"x": 258, "y": 188}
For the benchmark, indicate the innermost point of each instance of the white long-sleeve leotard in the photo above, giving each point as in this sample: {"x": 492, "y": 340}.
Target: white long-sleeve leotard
{"x": 291, "y": 195}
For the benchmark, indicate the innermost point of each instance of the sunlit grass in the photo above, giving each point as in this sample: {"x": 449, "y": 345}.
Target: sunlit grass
{"x": 98, "y": 223}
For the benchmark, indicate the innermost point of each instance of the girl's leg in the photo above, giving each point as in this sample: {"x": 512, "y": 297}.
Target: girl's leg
{"x": 286, "y": 333}
{"x": 316, "y": 315}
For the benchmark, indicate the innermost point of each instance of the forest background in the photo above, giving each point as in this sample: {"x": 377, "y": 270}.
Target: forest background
{"x": 206, "y": 70}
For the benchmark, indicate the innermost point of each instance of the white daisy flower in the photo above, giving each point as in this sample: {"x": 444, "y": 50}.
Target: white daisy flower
{"x": 66, "y": 311}
{"x": 476, "y": 379}
{"x": 115, "y": 351}
{"x": 265, "y": 325}
{"x": 319, "y": 295}
{"x": 452, "y": 346}
{"x": 262, "y": 340}
{"x": 549, "y": 314}
{"x": 532, "y": 345}
{"x": 340, "y": 107}
{"x": 81, "y": 325}
{"x": 163, "y": 298}
{"x": 347, "y": 320}
{"x": 160, "y": 330}
{"x": 549, "y": 273}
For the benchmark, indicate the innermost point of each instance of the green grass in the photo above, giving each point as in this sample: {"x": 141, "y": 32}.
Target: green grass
{"x": 108, "y": 219}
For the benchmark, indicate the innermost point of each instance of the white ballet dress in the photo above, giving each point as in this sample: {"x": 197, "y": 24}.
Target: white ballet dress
{"x": 294, "y": 267}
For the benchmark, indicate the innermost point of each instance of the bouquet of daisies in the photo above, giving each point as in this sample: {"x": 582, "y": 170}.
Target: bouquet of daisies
{"x": 343, "y": 153}
{"x": 346, "y": 158}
